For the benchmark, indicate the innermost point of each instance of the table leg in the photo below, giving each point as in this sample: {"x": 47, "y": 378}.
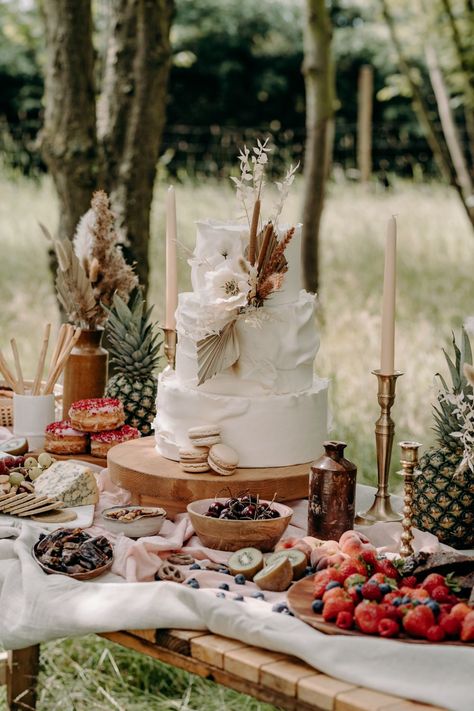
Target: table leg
{"x": 22, "y": 674}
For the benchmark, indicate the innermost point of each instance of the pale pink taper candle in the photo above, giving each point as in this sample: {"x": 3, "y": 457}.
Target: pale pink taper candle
{"x": 171, "y": 260}
{"x": 387, "y": 355}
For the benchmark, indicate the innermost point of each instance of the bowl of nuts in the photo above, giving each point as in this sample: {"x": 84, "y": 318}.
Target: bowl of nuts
{"x": 134, "y": 521}
{"x": 239, "y": 522}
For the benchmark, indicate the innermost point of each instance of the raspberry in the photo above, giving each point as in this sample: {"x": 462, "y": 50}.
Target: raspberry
{"x": 467, "y": 629}
{"x": 389, "y": 611}
{"x": 336, "y": 605}
{"x": 385, "y": 566}
{"x": 432, "y": 581}
{"x": 354, "y": 579}
{"x": 451, "y": 625}
{"x": 388, "y": 627}
{"x": 369, "y": 557}
{"x": 323, "y": 577}
{"x": 367, "y": 616}
{"x": 435, "y": 633}
{"x": 371, "y": 591}
{"x": 441, "y": 594}
{"x": 410, "y": 581}
{"x": 418, "y": 621}
{"x": 352, "y": 567}
{"x": 345, "y": 620}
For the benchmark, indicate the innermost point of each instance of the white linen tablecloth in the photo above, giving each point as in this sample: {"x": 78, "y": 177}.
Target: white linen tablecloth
{"x": 36, "y": 607}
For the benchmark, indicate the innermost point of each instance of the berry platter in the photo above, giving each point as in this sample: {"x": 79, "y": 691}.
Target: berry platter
{"x": 301, "y": 598}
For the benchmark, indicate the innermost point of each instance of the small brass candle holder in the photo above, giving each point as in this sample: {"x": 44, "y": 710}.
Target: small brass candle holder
{"x": 170, "y": 346}
{"x": 381, "y": 509}
{"x": 409, "y": 462}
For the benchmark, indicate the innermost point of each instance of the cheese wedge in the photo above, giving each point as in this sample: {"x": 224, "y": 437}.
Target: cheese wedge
{"x": 72, "y": 483}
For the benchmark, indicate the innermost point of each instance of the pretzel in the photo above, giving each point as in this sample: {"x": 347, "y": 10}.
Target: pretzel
{"x": 180, "y": 559}
{"x": 170, "y": 572}
{"x": 216, "y": 566}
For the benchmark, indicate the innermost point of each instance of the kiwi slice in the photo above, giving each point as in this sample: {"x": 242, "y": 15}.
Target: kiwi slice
{"x": 246, "y": 561}
{"x": 296, "y": 557}
{"x": 275, "y": 577}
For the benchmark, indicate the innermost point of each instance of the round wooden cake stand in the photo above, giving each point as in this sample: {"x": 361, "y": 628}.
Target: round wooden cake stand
{"x": 154, "y": 480}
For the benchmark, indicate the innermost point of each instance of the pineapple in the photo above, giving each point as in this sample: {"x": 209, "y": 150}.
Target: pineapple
{"x": 134, "y": 351}
{"x": 443, "y": 497}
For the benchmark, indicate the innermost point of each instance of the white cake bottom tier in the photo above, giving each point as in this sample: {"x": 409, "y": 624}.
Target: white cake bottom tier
{"x": 266, "y": 431}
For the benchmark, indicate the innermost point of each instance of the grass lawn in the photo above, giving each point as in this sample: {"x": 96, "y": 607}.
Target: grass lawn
{"x": 436, "y": 260}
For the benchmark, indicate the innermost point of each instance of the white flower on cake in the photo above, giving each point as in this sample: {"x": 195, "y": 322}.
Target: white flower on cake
{"x": 227, "y": 286}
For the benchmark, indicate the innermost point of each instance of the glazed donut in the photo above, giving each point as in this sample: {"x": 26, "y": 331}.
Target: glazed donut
{"x": 62, "y": 438}
{"x": 101, "y": 442}
{"x": 97, "y": 414}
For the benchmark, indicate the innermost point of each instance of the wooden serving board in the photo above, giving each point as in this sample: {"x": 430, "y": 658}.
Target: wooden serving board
{"x": 99, "y": 461}
{"x": 300, "y": 597}
{"x": 154, "y": 480}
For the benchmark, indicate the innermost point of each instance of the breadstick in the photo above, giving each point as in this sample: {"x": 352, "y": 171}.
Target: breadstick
{"x": 7, "y": 373}
{"x": 16, "y": 358}
{"x": 42, "y": 358}
{"x": 66, "y": 352}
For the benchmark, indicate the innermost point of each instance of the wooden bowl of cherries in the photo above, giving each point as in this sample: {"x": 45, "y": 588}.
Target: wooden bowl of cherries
{"x": 229, "y": 524}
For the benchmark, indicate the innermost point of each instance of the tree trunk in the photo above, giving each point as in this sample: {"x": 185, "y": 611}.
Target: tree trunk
{"x": 132, "y": 116}
{"x": 318, "y": 76}
{"x": 450, "y": 130}
{"x": 364, "y": 122}
{"x": 69, "y": 142}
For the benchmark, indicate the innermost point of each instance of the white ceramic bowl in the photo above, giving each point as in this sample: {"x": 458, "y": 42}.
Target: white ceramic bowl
{"x": 139, "y": 527}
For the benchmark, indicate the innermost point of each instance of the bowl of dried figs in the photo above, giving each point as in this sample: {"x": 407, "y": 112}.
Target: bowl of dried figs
{"x": 134, "y": 521}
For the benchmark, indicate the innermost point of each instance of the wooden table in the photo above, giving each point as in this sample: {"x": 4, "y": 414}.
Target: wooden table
{"x": 274, "y": 678}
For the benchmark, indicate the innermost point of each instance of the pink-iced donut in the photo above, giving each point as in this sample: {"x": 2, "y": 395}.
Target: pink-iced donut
{"x": 97, "y": 414}
{"x": 101, "y": 442}
{"x": 62, "y": 438}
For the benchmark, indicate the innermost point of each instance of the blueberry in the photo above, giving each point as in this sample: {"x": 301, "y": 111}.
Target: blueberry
{"x": 223, "y": 586}
{"x": 433, "y": 605}
{"x": 279, "y": 607}
{"x": 416, "y": 603}
{"x": 317, "y": 606}
{"x": 358, "y": 588}
{"x": 238, "y": 597}
{"x": 220, "y": 594}
{"x": 258, "y": 595}
{"x": 309, "y": 570}
{"x": 224, "y": 571}
{"x": 385, "y": 588}
{"x": 240, "y": 579}
{"x": 333, "y": 584}
{"x": 397, "y": 601}
{"x": 405, "y": 600}
{"x": 193, "y": 583}
{"x": 195, "y": 566}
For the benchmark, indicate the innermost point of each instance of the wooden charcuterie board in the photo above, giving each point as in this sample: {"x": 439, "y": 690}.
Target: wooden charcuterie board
{"x": 155, "y": 480}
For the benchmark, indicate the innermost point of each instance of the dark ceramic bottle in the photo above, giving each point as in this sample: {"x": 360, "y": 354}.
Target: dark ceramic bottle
{"x": 332, "y": 488}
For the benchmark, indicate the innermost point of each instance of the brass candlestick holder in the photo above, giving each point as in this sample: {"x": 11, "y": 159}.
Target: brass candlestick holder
{"x": 170, "y": 346}
{"x": 381, "y": 509}
{"x": 409, "y": 462}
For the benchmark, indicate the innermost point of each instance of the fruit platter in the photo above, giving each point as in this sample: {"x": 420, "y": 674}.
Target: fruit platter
{"x": 355, "y": 591}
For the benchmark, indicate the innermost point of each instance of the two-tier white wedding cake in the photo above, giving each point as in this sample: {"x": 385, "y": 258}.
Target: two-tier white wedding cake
{"x": 245, "y": 363}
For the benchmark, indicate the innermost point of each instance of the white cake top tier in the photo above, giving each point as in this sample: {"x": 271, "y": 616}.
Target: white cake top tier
{"x": 217, "y": 241}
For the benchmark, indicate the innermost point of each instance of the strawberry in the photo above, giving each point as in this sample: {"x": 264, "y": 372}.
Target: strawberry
{"x": 354, "y": 579}
{"x": 435, "y": 633}
{"x": 336, "y": 605}
{"x": 419, "y": 594}
{"x": 378, "y": 578}
{"x": 461, "y": 610}
{"x": 369, "y": 557}
{"x": 388, "y": 627}
{"x": 390, "y": 597}
{"x": 350, "y": 567}
{"x": 322, "y": 578}
{"x": 344, "y": 620}
{"x": 441, "y": 593}
{"x": 432, "y": 581}
{"x": 371, "y": 591}
{"x": 467, "y": 629}
{"x": 410, "y": 581}
{"x": 333, "y": 593}
{"x": 389, "y": 611}
{"x": 367, "y": 616}
{"x": 354, "y": 595}
{"x": 387, "y": 568}
{"x": 451, "y": 625}
{"x": 418, "y": 621}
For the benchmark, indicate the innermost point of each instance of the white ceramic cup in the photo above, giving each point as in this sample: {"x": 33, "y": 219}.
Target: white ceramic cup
{"x": 31, "y": 415}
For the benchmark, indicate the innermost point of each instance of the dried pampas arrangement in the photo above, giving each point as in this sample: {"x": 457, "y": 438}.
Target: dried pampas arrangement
{"x": 92, "y": 268}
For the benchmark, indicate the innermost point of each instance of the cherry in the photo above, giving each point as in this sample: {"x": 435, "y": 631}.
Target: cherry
{"x": 216, "y": 508}
{"x": 249, "y": 511}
